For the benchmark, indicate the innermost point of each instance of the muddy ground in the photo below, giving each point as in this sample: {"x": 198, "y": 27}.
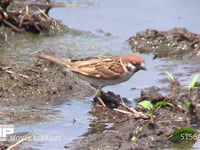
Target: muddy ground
{"x": 179, "y": 44}
{"x": 27, "y": 91}
{"x": 175, "y": 43}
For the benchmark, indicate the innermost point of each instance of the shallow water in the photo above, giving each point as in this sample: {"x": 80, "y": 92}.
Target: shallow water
{"x": 57, "y": 133}
{"x": 124, "y": 18}
{"x": 121, "y": 19}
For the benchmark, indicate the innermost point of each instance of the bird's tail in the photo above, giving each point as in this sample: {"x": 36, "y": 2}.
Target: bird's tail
{"x": 60, "y": 61}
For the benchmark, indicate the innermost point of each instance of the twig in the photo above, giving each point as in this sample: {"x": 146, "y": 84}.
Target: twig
{"x": 133, "y": 111}
{"x": 21, "y": 75}
{"x": 6, "y": 68}
{"x": 44, "y": 14}
{"x": 24, "y": 76}
{"x": 5, "y": 113}
{"x": 102, "y": 103}
{"x": 54, "y": 5}
{"x": 11, "y": 26}
{"x": 11, "y": 147}
{"x": 123, "y": 111}
{"x": 33, "y": 70}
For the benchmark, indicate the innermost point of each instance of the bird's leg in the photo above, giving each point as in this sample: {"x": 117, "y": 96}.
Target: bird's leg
{"x": 98, "y": 96}
{"x": 98, "y": 92}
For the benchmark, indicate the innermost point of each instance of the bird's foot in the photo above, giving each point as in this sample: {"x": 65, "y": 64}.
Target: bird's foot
{"x": 98, "y": 92}
{"x": 101, "y": 102}
{"x": 110, "y": 100}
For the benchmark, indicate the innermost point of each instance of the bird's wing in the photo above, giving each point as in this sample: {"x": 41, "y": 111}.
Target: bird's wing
{"x": 106, "y": 67}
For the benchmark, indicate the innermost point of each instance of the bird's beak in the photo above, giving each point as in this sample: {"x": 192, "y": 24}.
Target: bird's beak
{"x": 142, "y": 66}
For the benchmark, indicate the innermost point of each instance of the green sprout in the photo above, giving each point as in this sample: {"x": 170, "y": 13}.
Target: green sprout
{"x": 134, "y": 137}
{"x": 151, "y": 109}
{"x": 139, "y": 129}
{"x": 181, "y": 134}
{"x": 170, "y": 77}
{"x": 193, "y": 82}
{"x": 192, "y": 85}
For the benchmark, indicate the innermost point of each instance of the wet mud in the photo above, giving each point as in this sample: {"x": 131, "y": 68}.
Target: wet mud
{"x": 155, "y": 134}
{"x": 114, "y": 130}
{"x": 24, "y": 90}
{"x": 29, "y": 90}
{"x": 176, "y": 43}
{"x": 27, "y": 16}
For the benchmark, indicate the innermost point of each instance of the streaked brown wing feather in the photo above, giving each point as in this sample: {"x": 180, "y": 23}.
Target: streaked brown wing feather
{"x": 99, "y": 67}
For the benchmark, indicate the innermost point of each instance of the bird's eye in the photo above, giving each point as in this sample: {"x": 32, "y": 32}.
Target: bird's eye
{"x": 130, "y": 66}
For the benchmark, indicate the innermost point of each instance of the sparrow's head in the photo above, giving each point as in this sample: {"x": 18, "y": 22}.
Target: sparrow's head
{"x": 133, "y": 62}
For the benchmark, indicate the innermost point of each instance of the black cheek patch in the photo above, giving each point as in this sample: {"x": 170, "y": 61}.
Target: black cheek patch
{"x": 128, "y": 68}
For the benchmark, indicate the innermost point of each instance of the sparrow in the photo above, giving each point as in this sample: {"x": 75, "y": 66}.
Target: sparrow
{"x": 101, "y": 71}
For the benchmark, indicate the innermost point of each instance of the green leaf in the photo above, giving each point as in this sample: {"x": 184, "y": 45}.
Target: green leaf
{"x": 134, "y": 137}
{"x": 197, "y": 84}
{"x": 162, "y": 103}
{"x": 169, "y": 76}
{"x": 193, "y": 82}
{"x": 146, "y": 104}
{"x": 186, "y": 104}
{"x": 142, "y": 128}
{"x": 180, "y": 134}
